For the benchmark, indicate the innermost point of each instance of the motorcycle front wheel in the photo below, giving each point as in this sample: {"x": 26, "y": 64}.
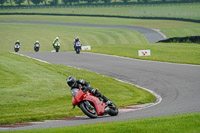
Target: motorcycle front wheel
{"x": 77, "y": 51}
{"x": 113, "y": 110}
{"x": 92, "y": 113}
{"x": 16, "y": 49}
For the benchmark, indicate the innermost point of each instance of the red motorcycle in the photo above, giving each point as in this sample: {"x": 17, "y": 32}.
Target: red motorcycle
{"x": 92, "y": 106}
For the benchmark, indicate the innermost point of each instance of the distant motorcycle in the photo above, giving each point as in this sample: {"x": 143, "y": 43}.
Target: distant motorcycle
{"x": 36, "y": 47}
{"x": 16, "y": 47}
{"x": 57, "y": 46}
{"x": 78, "y": 47}
{"x": 92, "y": 106}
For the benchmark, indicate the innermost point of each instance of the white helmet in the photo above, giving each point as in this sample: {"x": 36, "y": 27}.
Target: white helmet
{"x": 57, "y": 38}
{"x": 37, "y": 41}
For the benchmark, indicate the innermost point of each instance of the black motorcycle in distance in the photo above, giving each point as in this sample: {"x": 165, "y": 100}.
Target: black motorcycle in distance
{"x": 36, "y": 47}
{"x": 77, "y": 47}
{"x": 16, "y": 47}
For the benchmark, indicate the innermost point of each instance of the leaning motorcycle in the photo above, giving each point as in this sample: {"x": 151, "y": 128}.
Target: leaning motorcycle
{"x": 16, "y": 47}
{"x": 78, "y": 47}
{"x": 36, "y": 47}
{"x": 92, "y": 106}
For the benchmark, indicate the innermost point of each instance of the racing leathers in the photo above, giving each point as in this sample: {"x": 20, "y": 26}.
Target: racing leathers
{"x": 56, "y": 42}
{"x": 85, "y": 86}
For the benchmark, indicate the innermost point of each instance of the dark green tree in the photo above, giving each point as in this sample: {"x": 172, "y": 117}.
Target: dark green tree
{"x": 90, "y": 1}
{"x": 53, "y": 2}
{"x": 2, "y": 2}
{"x": 11, "y": 2}
{"x": 36, "y": 2}
{"x": 106, "y": 1}
{"x": 19, "y": 2}
{"x": 125, "y": 1}
{"x": 28, "y": 1}
{"x": 70, "y": 1}
{"x": 145, "y": 1}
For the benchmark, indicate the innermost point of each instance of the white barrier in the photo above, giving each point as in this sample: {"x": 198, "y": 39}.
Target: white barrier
{"x": 144, "y": 52}
{"x": 86, "y": 48}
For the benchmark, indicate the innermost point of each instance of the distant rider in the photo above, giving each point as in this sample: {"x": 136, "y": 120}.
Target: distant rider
{"x": 76, "y": 40}
{"x": 85, "y": 86}
{"x": 17, "y": 42}
{"x": 37, "y": 44}
{"x": 56, "y": 42}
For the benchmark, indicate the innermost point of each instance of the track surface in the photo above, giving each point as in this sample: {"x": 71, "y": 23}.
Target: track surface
{"x": 151, "y": 35}
{"x": 177, "y": 84}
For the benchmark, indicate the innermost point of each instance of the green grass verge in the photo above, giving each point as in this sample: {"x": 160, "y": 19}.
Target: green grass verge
{"x": 185, "y": 123}
{"x": 29, "y": 33}
{"x": 175, "y": 53}
{"x": 189, "y": 10}
{"x": 168, "y": 27}
{"x": 33, "y": 91}
{"x": 111, "y": 41}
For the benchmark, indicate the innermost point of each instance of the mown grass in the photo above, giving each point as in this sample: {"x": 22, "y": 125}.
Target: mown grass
{"x": 175, "y": 53}
{"x": 29, "y": 33}
{"x": 111, "y": 41}
{"x": 33, "y": 91}
{"x": 168, "y": 27}
{"x": 189, "y": 10}
{"x": 185, "y": 123}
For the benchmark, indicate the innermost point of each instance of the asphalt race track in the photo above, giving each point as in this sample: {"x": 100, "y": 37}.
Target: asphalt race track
{"x": 152, "y": 36}
{"x": 177, "y": 84}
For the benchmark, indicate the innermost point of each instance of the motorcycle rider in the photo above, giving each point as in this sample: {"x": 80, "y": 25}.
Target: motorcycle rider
{"x": 85, "y": 86}
{"x": 75, "y": 41}
{"x": 55, "y": 41}
{"x": 17, "y": 42}
{"x": 37, "y": 42}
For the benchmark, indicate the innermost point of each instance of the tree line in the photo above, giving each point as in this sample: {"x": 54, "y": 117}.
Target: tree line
{"x": 85, "y": 2}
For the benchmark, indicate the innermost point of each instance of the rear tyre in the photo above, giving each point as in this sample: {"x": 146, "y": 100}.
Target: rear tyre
{"x": 113, "y": 110}
{"x": 92, "y": 113}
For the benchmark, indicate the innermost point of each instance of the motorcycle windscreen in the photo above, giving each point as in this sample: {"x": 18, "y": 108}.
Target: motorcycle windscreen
{"x": 74, "y": 92}
{"x": 78, "y": 94}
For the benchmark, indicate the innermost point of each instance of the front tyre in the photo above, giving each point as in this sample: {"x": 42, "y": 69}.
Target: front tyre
{"x": 113, "y": 110}
{"x": 78, "y": 51}
{"x": 16, "y": 49}
{"x": 92, "y": 113}
{"x": 57, "y": 49}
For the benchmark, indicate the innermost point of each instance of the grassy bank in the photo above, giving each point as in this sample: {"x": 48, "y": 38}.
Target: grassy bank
{"x": 189, "y": 10}
{"x": 35, "y": 91}
{"x": 111, "y": 41}
{"x": 29, "y": 33}
{"x": 168, "y": 27}
{"x": 187, "y": 123}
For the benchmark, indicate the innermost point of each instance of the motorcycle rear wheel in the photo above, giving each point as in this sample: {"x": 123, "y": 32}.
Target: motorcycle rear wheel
{"x": 90, "y": 113}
